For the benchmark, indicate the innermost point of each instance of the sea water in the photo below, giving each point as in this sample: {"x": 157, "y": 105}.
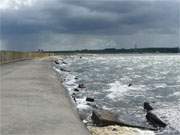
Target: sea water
{"x": 123, "y": 82}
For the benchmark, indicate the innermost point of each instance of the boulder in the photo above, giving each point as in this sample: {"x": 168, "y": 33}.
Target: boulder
{"x": 105, "y": 118}
{"x": 129, "y": 85}
{"x": 81, "y": 86}
{"x": 64, "y": 70}
{"x": 90, "y": 99}
{"x": 64, "y": 62}
{"x": 76, "y": 90}
{"x": 154, "y": 120}
{"x": 147, "y": 107}
{"x": 56, "y": 62}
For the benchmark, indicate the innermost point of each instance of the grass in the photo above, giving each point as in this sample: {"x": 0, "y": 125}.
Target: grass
{"x": 12, "y": 56}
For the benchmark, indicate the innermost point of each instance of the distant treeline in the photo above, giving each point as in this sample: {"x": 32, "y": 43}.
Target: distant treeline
{"x": 114, "y": 50}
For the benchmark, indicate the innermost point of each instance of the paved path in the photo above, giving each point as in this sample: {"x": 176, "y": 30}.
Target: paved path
{"x": 33, "y": 102}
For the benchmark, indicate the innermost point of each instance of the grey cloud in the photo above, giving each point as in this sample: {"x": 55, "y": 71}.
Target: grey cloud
{"x": 89, "y": 18}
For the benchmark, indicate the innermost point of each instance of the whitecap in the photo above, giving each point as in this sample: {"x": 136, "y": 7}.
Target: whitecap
{"x": 117, "y": 89}
{"x": 160, "y": 85}
{"x": 176, "y": 93}
{"x": 69, "y": 80}
{"x": 178, "y": 79}
{"x": 57, "y": 70}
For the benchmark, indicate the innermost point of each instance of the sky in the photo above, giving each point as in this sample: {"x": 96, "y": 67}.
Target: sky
{"x": 88, "y": 24}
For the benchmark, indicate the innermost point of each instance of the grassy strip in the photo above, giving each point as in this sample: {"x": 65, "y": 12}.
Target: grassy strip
{"x": 11, "y": 56}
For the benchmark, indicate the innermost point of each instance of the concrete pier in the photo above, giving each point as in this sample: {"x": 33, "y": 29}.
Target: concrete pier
{"x": 33, "y": 101}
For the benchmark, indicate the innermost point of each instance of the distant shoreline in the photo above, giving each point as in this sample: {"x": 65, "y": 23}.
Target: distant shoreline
{"x": 123, "y": 51}
{"x": 13, "y": 56}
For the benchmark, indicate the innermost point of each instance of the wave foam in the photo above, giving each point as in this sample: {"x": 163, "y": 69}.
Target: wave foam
{"x": 117, "y": 89}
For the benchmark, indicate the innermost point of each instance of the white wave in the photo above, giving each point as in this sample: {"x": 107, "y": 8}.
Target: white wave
{"x": 160, "y": 85}
{"x": 68, "y": 78}
{"x": 176, "y": 93}
{"x": 81, "y": 101}
{"x": 142, "y": 132}
{"x": 178, "y": 79}
{"x": 137, "y": 76}
{"x": 104, "y": 107}
{"x": 57, "y": 70}
{"x": 141, "y": 66}
{"x": 117, "y": 89}
{"x": 126, "y": 78}
{"x": 84, "y": 111}
{"x": 164, "y": 72}
{"x": 129, "y": 68}
{"x": 83, "y": 106}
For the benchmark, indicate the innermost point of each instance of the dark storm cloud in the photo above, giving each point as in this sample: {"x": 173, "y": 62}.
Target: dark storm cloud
{"x": 24, "y": 28}
{"x": 141, "y": 15}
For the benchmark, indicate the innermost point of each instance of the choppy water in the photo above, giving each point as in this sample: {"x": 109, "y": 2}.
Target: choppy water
{"x": 155, "y": 78}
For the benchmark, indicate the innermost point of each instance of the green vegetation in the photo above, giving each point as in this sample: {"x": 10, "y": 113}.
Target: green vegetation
{"x": 114, "y": 50}
{"x": 12, "y": 56}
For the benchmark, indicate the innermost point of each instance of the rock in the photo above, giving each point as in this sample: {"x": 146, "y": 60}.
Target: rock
{"x": 64, "y": 70}
{"x": 74, "y": 97}
{"x": 64, "y": 62}
{"x": 114, "y": 129}
{"x": 76, "y": 90}
{"x": 56, "y": 62}
{"x": 76, "y": 78}
{"x": 154, "y": 120}
{"x": 90, "y": 99}
{"x": 81, "y": 86}
{"x": 147, "y": 107}
{"x": 103, "y": 118}
{"x": 130, "y": 85}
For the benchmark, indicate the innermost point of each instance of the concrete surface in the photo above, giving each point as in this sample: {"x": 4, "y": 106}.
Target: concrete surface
{"x": 33, "y": 102}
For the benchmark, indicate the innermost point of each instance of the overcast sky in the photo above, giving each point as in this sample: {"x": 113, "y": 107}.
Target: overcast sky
{"x": 88, "y": 24}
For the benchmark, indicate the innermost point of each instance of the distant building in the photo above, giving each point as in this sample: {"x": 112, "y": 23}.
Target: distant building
{"x": 40, "y": 50}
